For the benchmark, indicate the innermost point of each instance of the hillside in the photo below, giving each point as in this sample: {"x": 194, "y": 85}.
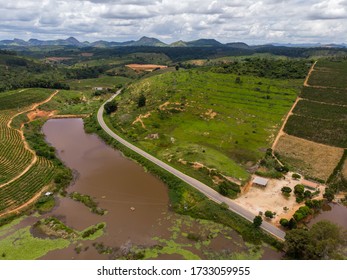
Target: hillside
{"x": 210, "y": 125}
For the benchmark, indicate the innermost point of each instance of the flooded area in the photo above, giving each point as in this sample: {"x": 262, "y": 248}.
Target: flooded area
{"x": 333, "y": 212}
{"x": 134, "y": 199}
{"x": 138, "y": 218}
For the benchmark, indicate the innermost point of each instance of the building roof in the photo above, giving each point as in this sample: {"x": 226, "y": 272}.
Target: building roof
{"x": 260, "y": 181}
{"x": 309, "y": 183}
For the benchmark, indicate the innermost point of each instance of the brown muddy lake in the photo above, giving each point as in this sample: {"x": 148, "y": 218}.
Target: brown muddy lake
{"x": 117, "y": 184}
{"x": 137, "y": 205}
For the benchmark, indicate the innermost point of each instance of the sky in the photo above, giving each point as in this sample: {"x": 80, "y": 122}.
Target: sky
{"x": 253, "y": 22}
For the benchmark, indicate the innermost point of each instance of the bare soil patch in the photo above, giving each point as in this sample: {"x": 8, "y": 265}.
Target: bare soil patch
{"x": 261, "y": 199}
{"x": 310, "y": 158}
{"x": 57, "y": 59}
{"x": 210, "y": 114}
{"x": 40, "y": 114}
{"x": 145, "y": 67}
{"x": 139, "y": 119}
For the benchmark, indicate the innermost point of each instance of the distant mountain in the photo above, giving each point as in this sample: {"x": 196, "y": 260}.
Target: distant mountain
{"x": 178, "y": 44}
{"x": 238, "y": 45}
{"x": 146, "y": 41}
{"x": 318, "y": 45}
{"x": 204, "y": 43}
{"x": 151, "y": 42}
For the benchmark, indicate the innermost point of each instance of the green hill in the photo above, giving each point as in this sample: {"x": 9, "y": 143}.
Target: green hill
{"x": 209, "y": 125}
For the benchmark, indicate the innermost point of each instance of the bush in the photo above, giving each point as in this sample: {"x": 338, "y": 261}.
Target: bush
{"x": 141, "y": 101}
{"x": 284, "y": 222}
{"x": 111, "y": 107}
{"x": 286, "y": 191}
{"x": 302, "y": 213}
{"x": 257, "y": 221}
{"x": 269, "y": 214}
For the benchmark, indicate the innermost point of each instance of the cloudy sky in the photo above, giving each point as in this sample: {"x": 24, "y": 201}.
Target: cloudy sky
{"x": 254, "y": 22}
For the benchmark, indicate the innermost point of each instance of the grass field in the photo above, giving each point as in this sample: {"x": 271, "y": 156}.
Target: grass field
{"x": 308, "y": 158}
{"x": 102, "y": 81}
{"x": 200, "y": 121}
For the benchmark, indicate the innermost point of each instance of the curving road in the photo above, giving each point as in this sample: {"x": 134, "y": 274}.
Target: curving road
{"x": 206, "y": 190}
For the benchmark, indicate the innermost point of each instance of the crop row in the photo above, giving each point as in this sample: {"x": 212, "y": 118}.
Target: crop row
{"x": 330, "y": 74}
{"x": 14, "y": 158}
{"x": 331, "y": 96}
{"x": 27, "y": 186}
{"x": 320, "y": 111}
{"x": 20, "y": 99}
{"x": 329, "y": 132}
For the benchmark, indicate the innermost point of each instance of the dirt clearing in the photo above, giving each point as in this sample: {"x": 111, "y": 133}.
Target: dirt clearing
{"x": 145, "y": 67}
{"x": 310, "y": 158}
{"x": 261, "y": 199}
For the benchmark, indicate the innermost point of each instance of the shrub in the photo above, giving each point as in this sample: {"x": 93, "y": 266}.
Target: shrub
{"x": 284, "y": 222}
{"x": 257, "y": 221}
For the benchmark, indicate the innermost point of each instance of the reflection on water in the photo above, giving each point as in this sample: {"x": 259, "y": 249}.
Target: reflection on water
{"x": 333, "y": 212}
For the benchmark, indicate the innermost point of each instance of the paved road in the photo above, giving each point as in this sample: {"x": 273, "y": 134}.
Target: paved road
{"x": 206, "y": 190}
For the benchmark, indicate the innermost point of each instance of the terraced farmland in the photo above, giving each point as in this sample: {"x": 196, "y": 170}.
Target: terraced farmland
{"x": 321, "y": 118}
{"x": 19, "y": 168}
{"x": 21, "y": 191}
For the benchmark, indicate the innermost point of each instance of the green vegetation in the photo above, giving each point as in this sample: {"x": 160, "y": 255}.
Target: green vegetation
{"x": 186, "y": 200}
{"x": 21, "y": 245}
{"x": 302, "y": 213}
{"x": 203, "y": 123}
{"x": 323, "y": 241}
{"x": 266, "y": 67}
{"x": 111, "y": 107}
{"x": 326, "y": 95}
{"x": 321, "y": 118}
{"x": 269, "y": 214}
{"x": 286, "y": 191}
{"x": 19, "y": 72}
{"x": 258, "y": 220}
{"x": 89, "y": 202}
{"x": 322, "y": 123}
{"x": 330, "y": 73}
{"x": 337, "y": 181}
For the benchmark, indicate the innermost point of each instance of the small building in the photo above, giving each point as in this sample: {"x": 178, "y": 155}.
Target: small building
{"x": 98, "y": 88}
{"x": 259, "y": 181}
{"x": 313, "y": 186}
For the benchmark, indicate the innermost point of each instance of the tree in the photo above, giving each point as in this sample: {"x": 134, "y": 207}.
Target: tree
{"x": 257, "y": 221}
{"x": 324, "y": 241}
{"x": 296, "y": 176}
{"x": 299, "y": 190}
{"x": 286, "y": 191}
{"x": 284, "y": 222}
{"x": 141, "y": 101}
{"x": 111, "y": 107}
{"x": 269, "y": 214}
{"x": 329, "y": 194}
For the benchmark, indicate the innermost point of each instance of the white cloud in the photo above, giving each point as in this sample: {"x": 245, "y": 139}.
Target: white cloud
{"x": 225, "y": 20}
